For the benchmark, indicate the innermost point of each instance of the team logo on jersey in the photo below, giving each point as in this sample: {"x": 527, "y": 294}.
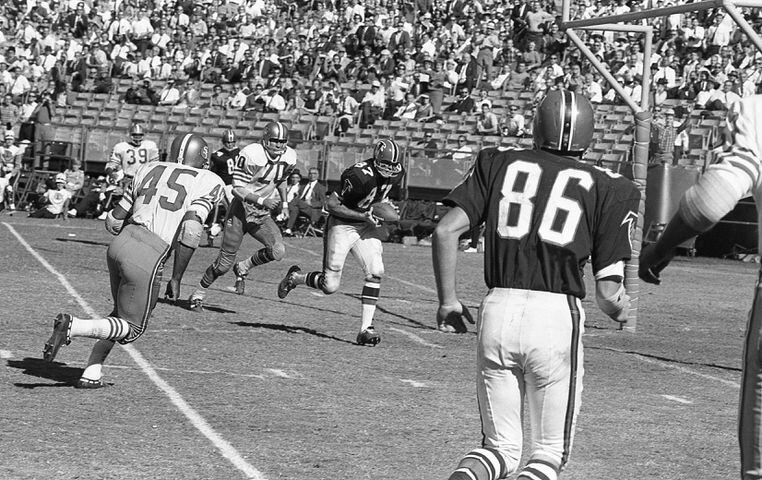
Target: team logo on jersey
{"x": 631, "y": 219}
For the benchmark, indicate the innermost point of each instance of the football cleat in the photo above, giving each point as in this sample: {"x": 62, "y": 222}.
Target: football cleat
{"x": 60, "y": 336}
{"x": 87, "y": 384}
{"x": 288, "y": 283}
{"x": 196, "y": 302}
{"x": 240, "y": 280}
{"x": 368, "y": 337}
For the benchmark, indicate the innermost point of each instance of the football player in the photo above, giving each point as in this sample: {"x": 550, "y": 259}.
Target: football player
{"x": 736, "y": 174}
{"x": 546, "y": 213}
{"x": 259, "y": 170}
{"x": 223, "y": 164}
{"x": 166, "y": 204}
{"x": 128, "y": 156}
{"x": 351, "y": 226}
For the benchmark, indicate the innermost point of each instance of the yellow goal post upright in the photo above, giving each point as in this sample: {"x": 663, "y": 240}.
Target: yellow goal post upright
{"x": 642, "y": 112}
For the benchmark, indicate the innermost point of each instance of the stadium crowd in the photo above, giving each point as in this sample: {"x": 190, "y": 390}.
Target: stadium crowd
{"x": 359, "y": 61}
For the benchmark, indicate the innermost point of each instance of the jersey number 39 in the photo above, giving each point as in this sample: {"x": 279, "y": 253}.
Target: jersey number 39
{"x": 559, "y": 221}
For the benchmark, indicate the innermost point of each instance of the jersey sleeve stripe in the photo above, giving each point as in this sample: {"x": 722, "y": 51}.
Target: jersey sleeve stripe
{"x": 743, "y": 164}
{"x": 203, "y": 202}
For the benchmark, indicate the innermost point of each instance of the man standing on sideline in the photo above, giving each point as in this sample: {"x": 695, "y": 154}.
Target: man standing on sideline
{"x": 166, "y": 206}
{"x": 309, "y": 201}
{"x": 545, "y": 213}
{"x": 733, "y": 176}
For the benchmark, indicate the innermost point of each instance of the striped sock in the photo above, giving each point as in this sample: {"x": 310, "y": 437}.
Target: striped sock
{"x": 109, "y": 328}
{"x": 210, "y": 275}
{"x": 314, "y": 280}
{"x": 481, "y": 464}
{"x": 537, "y": 469}
{"x": 262, "y": 256}
{"x": 369, "y": 299}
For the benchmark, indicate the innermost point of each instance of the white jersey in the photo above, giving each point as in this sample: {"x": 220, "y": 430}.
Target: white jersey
{"x": 57, "y": 200}
{"x": 128, "y": 157}
{"x": 3, "y": 187}
{"x": 161, "y": 193}
{"x": 257, "y": 173}
{"x": 10, "y": 157}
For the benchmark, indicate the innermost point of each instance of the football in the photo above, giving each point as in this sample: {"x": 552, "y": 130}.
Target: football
{"x": 385, "y": 212}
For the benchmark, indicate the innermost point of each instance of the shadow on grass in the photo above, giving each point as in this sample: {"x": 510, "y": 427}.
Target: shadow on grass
{"x": 86, "y": 242}
{"x": 36, "y": 367}
{"x": 291, "y": 329}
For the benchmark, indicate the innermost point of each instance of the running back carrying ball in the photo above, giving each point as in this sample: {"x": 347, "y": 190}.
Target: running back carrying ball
{"x": 385, "y": 212}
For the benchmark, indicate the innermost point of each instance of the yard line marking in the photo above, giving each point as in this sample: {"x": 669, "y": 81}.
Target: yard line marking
{"x": 225, "y": 448}
{"x": 415, "y": 337}
{"x": 203, "y": 372}
{"x": 404, "y": 282}
{"x": 318, "y": 294}
{"x": 5, "y": 354}
{"x": 686, "y": 370}
{"x": 278, "y": 372}
{"x": 413, "y": 383}
{"x": 25, "y": 224}
{"x": 678, "y": 399}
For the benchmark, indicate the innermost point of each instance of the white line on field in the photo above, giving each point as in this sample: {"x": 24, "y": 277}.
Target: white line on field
{"x": 687, "y": 370}
{"x": 404, "y": 282}
{"x": 674, "y": 398}
{"x": 225, "y": 448}
{"x": 5, "y": 354}
{"x": 414, "y": 337}
{"x": 278, "y": 373}
{"x": 78, "y": 227}
{"x": 413, "y": 383}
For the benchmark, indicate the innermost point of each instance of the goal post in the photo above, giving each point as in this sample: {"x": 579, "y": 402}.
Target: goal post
{"x": 641, "y": 112}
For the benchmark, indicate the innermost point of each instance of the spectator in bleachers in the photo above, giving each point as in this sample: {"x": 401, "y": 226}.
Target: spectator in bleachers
{"x": 487, "y": 122}
{"x": 514, "y": 124}
{"x": 19, "y": 85}
{"x": 664, "y": 131}
{"x": 592, "y": 89}
{"x": 9, "y": 114}
{"x": 309, "y": 201}
{"x": 75, "y": 178}
{"x": 274, "y": 102}
{"x": 425, "y": 111}
{"x": 312, "y": 102}
{"x": 55, "y": 200}
{"x": 372, "y": 105}
{"x": 467, "y": 71}
{"x": 659, "y": 94}
{"x": 723, "y": 98}
{"x": 464, "y": 103}
{"x": 219, "y": 98}
{"x": 169, "y": 95}
{"x": 407, "y": 110}
{"x": 141, "y": 93}
{"x": 531, "y": 56}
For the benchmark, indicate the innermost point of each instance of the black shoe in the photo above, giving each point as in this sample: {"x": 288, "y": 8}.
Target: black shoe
{"x": 60, "y": 336}
{"x": 368, "y": 337}
{"x": 288, "y": 283}
{"x": 240, "y": 280}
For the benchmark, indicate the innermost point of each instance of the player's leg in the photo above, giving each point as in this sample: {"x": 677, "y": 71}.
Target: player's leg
{"x": 231, "y": 242}
{"x": 553, "y": 375}
{"x": 750, "y": 409}
{"x": 268, "y": 234}
{"x": 369, "y": 252}
{"x": 500, "y": 392}
{"x": 338, "y": 240}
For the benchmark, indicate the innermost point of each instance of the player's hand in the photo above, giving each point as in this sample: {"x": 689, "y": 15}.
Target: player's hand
{"x": 450, "y": 318}
{"x": 650, "y": 267}
{"x": 172, "y": 293}
{"x": 270, "y": 203}
{"x": 115, "y": 176}
{"x": 624, "y": 313}
{"x": 372, "y": 219}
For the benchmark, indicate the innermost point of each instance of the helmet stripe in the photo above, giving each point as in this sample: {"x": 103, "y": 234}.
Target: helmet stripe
{"x": 572, "y": 120}
{"x": 183, "y": 146}
{"x": 562, "y": 115}
{"x": 568, "y": 115}
{"x": 395, "y": 150}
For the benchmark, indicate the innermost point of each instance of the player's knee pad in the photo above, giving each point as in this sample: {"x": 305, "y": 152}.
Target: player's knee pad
{"x": 223, "y": 263}
{"x": 278, "y": 251}
{"x": 331, "y": 282}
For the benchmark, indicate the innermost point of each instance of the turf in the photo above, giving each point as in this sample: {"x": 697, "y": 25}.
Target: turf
{"x": 283, "y": 383}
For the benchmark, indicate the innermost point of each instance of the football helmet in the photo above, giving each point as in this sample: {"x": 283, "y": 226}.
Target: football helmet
{"x": 564, "y": 123}
{"x": 189, "y": 149}
{"x": 387, "y": 157}
{"x": 275, "y": 138}
{"x": 229, "y": 139}
{"x": 137, "y": 133}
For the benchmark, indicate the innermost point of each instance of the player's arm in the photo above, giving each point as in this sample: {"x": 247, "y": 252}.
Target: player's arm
{"x": 715, "y": 194}
{"x": 114, "y": 162}
{"x": 334, "y": 206}
{"x": 445, "y": 257}
{"x": 610, "y": 293}
{"x": 153, "y": 153}
{"x": 115, "y": 217}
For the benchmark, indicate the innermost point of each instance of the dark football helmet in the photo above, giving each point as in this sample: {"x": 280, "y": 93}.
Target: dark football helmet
{"x": 387, "y": 157}
{"x": 229, "y": 139}
{"x": 189, "y": 149}
{"x": 137, "y": 133}
{"x": 564, "y": 123}
{"x": 275, "y": 138}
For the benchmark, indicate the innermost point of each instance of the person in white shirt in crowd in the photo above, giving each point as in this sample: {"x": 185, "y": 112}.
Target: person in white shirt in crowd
{"x": 56, "y": 200}
{"x": 723, "y": 98}
{"x": 170, "y": 94}
{"x": 665, "y": 71}
{"x": 514, "y": 124}
{"x": 592, "y": 89}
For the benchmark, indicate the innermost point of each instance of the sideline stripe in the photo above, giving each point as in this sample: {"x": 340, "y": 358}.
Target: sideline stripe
{"x": 682, "y": 369}
{"x": 227, "y": 450}
{"x": 677, "y": 399}
{"x": 404, "y": 282}
{"x": 414, "y": 337}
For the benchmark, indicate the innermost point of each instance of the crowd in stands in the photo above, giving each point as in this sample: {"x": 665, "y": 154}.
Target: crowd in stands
{"x": 358, "y": 61}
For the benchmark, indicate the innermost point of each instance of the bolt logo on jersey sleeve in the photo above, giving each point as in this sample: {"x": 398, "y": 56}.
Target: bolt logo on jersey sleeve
{"x": 542, "y": 210}
{"x": 162, "y": 192}
{"x": 129, "y": 158}
{"x": 362, "y": 186}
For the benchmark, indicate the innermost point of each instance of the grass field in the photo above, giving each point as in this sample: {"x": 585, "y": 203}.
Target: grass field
{"x": 257, "y": 387}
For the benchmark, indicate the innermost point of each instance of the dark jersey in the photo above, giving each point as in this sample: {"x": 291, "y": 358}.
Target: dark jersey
{"x": 223, "y": 164}
{"x": 362, "y": 186}
{"x": 545, "y": 216}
